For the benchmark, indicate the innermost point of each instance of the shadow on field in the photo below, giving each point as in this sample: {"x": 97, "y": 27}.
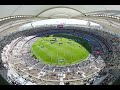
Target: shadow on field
{"x": 77, "y": 39}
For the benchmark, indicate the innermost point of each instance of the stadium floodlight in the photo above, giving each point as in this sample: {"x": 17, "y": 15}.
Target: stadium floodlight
{"x": 0, "y": 19}
{"x": 6, "y": 18}
{"x": 115, "y": 17}
{"x": 19, "y": 16}
{"x": 110, "y": 16}
{"x": 13, "y": 16}
{"x": 3, "y": 19}
{"x": 93, "y": 15}
{"x": 9, "y": 17}
{"x": 105, "y": 15}
{"x": 118, "y": 18}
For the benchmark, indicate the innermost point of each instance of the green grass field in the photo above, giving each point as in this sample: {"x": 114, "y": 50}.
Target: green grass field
{"x": 61, "y": 50}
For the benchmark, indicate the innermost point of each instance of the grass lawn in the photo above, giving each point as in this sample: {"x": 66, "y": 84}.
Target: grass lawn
{"x": 61, "y": 50}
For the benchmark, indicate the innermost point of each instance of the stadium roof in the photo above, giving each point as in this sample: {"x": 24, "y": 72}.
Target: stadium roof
{"x": 58, "y": 10}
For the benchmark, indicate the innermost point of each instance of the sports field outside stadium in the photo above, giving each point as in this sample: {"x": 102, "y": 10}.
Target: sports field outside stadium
{"x": 61, "y": 49}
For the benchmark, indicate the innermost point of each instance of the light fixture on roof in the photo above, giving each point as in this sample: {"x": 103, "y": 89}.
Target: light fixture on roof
{"x": 3, "y": 19}
{"x": 118, "y": 18}
{"x": 9, "y": 17}
{"x": 6, "y": 18}
{"x": 112, "y": 16}
{"x": 13, "y": 16}
{"x": 105, "y": 15}
{"x": 16, "y": 16}
{"x": 0, "y": 19}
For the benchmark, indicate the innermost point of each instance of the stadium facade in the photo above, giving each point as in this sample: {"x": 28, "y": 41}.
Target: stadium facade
{"x": 98, "y": 25}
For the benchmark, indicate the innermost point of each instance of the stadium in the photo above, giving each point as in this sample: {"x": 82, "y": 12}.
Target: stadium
{"x": 53, "y": 47}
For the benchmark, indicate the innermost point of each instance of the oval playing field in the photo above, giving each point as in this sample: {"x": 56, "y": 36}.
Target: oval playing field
{"x": 61, "y": 51}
